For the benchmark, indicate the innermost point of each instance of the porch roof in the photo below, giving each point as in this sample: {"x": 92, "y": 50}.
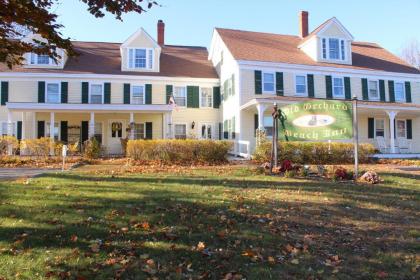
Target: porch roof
{"x": 285, "y": 100}
{"x": 103, "y": 108}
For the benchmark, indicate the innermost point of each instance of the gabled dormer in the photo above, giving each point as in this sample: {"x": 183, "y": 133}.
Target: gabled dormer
{"x": 33, "y": 60}
{"x": 330, "y": 42}
{"x": 140, "y": 52}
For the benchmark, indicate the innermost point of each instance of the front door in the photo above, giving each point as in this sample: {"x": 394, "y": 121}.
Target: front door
{"x": 116, "y": 132}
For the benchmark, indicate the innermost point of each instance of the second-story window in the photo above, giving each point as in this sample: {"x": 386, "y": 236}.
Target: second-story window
{"x": 206, "y": 98}
{"x": 399, "y": 92}
{"x": 373, "y": 90}
{"x": 301, "y": 88}
{"x": 137, "y": 95}
{"x": 40, "y": 59}
{"x": 96, "y": 93}
{"x": 180, "y": 96}
{"x": 268, "y": 82}
{"x": 53, "y": 92}
{"x": 140, "y": 58}
{"x": 333, "y": 48}
{"x": 338, "y": 88}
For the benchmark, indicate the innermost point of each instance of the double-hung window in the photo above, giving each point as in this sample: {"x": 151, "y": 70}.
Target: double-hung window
{"x": 180, "y": 131}
{"x": 334, "y": 48}
{"x": 206, "y": 131}
{"x": 180, "y": 96}
{"x": 139, "y": 131}
{"x": 52, "y": 92}
{"x": 206, "y": 98}
{"x": 98, "y": 132}
{"x": 379, "y": 127}
{"x": 268, "y": 125}
{"x": 301, "y": 88}
{"x": 140, "y": 58}
{"x": 137, "y": 95}
{"x": 338, "y": 87}
{"x": 401, "y": 129}
{"x": 96, "y": 93}
{"x": 373, "y": 90}
{"x": 399, "y": 89}
{"x": 4, "y": 128}
{"x": 55, "y": 132}
{"x": 40, "y": 59}
{"x": 268, "y": 82}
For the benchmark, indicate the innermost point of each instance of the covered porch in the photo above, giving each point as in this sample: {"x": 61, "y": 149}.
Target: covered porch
{"x": 393, "y": 128}
{"x": 108, "y": 123}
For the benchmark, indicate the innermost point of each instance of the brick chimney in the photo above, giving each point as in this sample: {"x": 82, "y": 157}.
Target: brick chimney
{"x": 161, "y": 32}
{"x": 303, "y": 24}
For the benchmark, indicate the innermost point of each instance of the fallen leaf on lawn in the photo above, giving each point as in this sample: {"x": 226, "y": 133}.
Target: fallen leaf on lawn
{"x": 94, "y": 248}
{"x": 201, "y": 246}
{"x": 295, "y": 261}
{"x": 124, "y": 229}
{"x": 73, "y": 238}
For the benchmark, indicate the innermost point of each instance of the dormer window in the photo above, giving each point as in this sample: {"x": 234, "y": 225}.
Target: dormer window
{"x": 140, "y": 58}
{"x": 334, "y": 48}
{"x": 41, "y": 59}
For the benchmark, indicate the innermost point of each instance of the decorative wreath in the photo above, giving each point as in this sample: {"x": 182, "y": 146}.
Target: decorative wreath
{"x": 116, "y": 126}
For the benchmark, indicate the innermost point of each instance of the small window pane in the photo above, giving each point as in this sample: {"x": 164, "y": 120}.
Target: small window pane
{"x": 180, "y": 131}
{"x": 43, "y": 59}
{"x": 139, "y": 131}
{"x": 150, "y": 59}
{"x": 399, "y": 92}
{"x": 373, "y": 90}
{"x": 206, "y": 97}
{"x": 338, "y": 87}
{"x": 180, "y": 96}
{"x": 334, "y": 48}
{"x": 301, "y": 85}
{"x": 380, "y": 128}
{"x": 324, "y": 48}
{"x": 53, "y": 93}
{"x": 268, "y": 125}
{"x": 343, "y": 52}
{"x": 138, "y": 95}
{"x": 268, "y": 82}
{"x": 140, "y": 58}
{"x": 95, "y": 94}
{"x": 401, "y": 129}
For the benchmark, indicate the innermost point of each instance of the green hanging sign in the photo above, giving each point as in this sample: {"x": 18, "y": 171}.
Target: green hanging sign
{"x": 316, "y": 121}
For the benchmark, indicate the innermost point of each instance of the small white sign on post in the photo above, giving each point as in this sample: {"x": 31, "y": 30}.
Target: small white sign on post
{"x": 64, "y": 155}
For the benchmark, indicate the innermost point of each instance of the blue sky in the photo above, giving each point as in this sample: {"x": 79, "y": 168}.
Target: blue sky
{"x": 390, "y": 23}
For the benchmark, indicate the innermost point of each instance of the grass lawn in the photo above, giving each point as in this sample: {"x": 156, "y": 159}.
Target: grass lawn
{"x": 207, "y": 223}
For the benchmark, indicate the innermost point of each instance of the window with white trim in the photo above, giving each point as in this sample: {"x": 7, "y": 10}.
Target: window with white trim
{"x": 53, "y": 92}
{"x": 206, "y": 131}
{"x": 206, "y": 97}
{"x": 98, "y": 132}
{"x": 96, "y": 93}
{"x": 338, "y": 87}
{"x": 343, "y": 50}
{"x": 333, "y": 48}
{"x": 4, "y": 126}
{"x": 180, "y": 96}
{"x": 379, "y": 128}
{"x": 56, "y": 131}
{"x": 180, "y": 131}
{"x": 268, "y": 125}
{"x": 399, "y": 90}
{"x": 373, "y": 89}
{"x": 140, "y": 58}
{"x": 301, "y": 88}
{"x": 40, "y": 59}
{"x": 139, "y": 131}
{"x": 324, "y": 48}
{"x": 401, "y": 129}
{"x": 137, "y": 95}
{"x": 268, "y": 82}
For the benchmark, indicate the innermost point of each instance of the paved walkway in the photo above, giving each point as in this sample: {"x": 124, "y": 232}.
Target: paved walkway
{"x": 15, "y": 173}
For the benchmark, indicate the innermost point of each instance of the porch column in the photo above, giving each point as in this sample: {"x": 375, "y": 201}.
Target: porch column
{"x": 9, "y": 131}
{"x": 23, "y": 125}
{"x": 166, "y": 126}
{"x": 261, "y": 109}
{"x": 91, "y": 130}
{"x": 170, "y": 125}
{"x": 131, "y": 136}
{"x": 392, "y": 115}
{"x": 52, "y": 121}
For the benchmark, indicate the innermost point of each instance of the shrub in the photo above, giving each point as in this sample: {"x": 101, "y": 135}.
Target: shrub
{"x": 315, "y": 152}
{"x": 36, "y": 147}
{"x": 6, "y": 142}
{"x": 91, "y": 149}
{"x": 179, "y": 151}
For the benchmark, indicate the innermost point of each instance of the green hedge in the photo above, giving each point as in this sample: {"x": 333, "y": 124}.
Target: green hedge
{"x": 178, "y": 151}
{"x": 315, "y": 152}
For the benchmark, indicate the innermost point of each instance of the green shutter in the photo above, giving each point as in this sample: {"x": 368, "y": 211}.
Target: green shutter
{"x": 258, "y": 82}
{"x": 64, "y": 131}
{"x": 391, "y": 91}
{"x": 233, "y": 128}
{"x": 107, "y": 93}
{"x": 149, "y": 130}
{"x": 371, "y": 128}
{"x": 225, "y": 130}
{"x": 409, "y": 129}
{"x": 41, "y": 129}
{"x": 126, "y": 89}
{"x": 347, "y": 88}
{"x": 216, "y": 97}
{"x": 365, "y": 93}
{"x": 19, "y": 130}
{"x": 220, "y": 131}
{"x": 85, "y": 92}
{"x": 408, "y": 92}
{"x": 311, "y": 87}
{"x": 233, "y": 84}
{"x": 4, "y": 92}
{"x": 255, "y": 124}
{"x": 41, "y": 92}
{"x": 84, "y": 131}
{"x": 193, "y": 97}
{"x": 225, "y": 90}
{"x": 64, "y": 92}
{"x": 169, "y": 92}
{"x": 279, "y": 84}
{"x": 148, "y": 94}
{"x": 328, "y": 85}
{"x": 382, "y": 90}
